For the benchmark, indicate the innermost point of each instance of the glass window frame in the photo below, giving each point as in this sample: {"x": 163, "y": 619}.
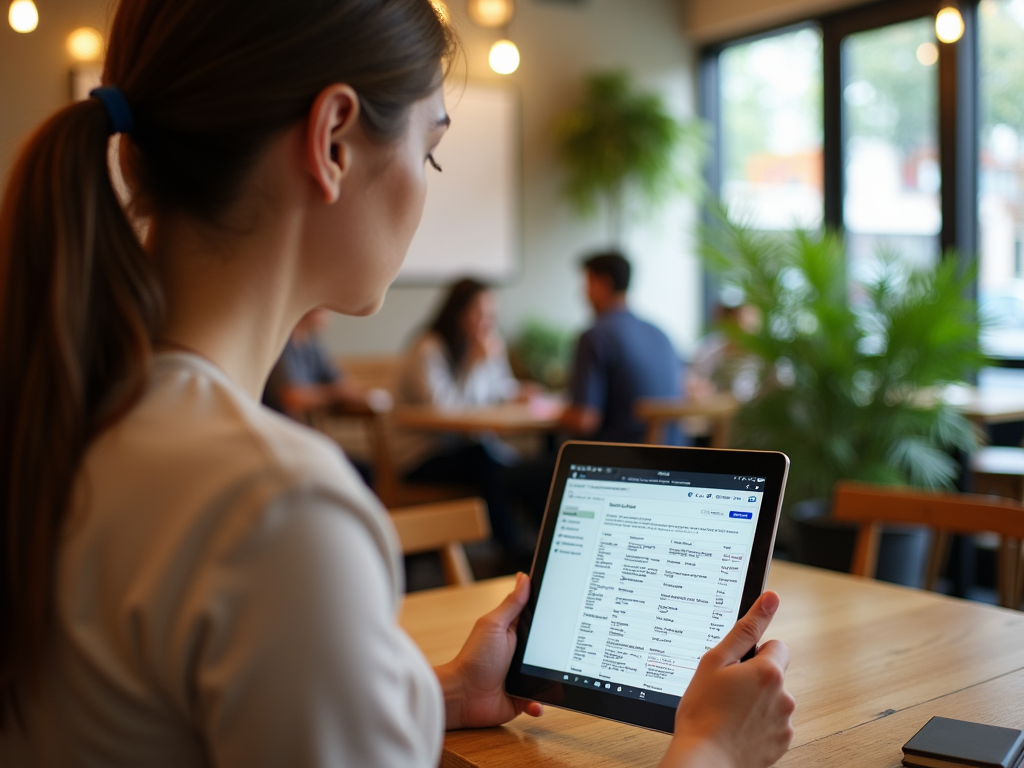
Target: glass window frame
{"x": 958, "y": 116}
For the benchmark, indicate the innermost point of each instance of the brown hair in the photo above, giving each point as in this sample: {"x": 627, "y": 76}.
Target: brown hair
{"x": 448, "y": 322}
{"x": 209, "y": 84}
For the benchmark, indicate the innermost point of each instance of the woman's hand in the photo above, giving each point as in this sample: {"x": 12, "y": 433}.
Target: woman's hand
{"x": 736, "y": 714}
{"x": 473, "y": 683}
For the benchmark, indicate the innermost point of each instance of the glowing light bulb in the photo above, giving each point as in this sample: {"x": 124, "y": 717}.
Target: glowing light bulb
{"x": 927, "y": 54}
{"x": 491, "y": 13}
{"x": 23, "y": 16}
{"x": 504, "y": 57}
{"x": 949, "y": 25}
{"x": 85, "y": 44}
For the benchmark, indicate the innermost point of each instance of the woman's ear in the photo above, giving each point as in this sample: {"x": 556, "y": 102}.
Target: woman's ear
{"x": 332, "y": 118}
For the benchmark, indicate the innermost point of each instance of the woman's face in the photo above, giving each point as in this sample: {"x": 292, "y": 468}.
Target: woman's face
{"x": 481, "y": 316}
{"x": 357, "y": 244}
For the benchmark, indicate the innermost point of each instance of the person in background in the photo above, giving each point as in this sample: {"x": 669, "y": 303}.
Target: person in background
{"x": 304, "y": 381}
{"x": 459, "y": 362}
{"x": 618, "y": 361}
{"x": 187, "y": 579}
{"x": 717, "y": 366}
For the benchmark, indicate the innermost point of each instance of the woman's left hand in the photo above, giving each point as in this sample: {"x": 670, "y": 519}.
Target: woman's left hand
{"x": 473, "y": 682}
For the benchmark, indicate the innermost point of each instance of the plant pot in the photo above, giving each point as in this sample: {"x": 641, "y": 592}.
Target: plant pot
{"x": 820, "y": 541}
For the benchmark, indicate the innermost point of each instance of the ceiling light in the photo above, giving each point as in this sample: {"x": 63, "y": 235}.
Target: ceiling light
{"x": 491, "y": 13}
{"x": 949, "y": 25}
{"x": 23, "y": 16}
{"x": 85, "y": 44}
{"x": 927, "y": 54}
{"x": 504, "y": 57}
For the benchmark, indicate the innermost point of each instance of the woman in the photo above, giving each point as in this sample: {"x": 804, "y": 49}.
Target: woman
{"x": 460, "y": 361}
{"x": 187, "y": 578}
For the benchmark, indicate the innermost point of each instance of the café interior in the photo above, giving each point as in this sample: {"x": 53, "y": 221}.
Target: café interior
{"x": 834, "y": 208}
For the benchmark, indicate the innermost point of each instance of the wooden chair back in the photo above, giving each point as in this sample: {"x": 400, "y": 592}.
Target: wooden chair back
{"x": 871, "y": 506}
{"x": 717, "y": 410}
{"x": 444, "y": 527}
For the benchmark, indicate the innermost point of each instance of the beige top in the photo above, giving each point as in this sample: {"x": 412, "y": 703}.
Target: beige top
{"x": 426, "y": 378}
{"x": 226, "y": 596}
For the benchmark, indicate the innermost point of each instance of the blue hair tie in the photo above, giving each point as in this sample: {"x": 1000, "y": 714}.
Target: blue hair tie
{"x": 121, "y": 120}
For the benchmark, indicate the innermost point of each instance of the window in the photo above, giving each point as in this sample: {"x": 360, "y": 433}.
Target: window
{"x": 771, "y": 140}
{"x": 891, "y": 173}
{"x": 921, "y": 142}
{"x": 1001, "y": 174}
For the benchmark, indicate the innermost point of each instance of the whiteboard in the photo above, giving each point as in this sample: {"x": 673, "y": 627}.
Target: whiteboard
{"x": 470, "y": 223}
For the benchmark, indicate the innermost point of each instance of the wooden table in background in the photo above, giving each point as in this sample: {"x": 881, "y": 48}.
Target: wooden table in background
{"x": 871, "y": 664}
{"x": 505, "y": 419}
{"x": 718, "y": 409}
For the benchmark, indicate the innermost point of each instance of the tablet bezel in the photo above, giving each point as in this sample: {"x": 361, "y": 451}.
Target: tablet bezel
{"x": 773, "y": 466}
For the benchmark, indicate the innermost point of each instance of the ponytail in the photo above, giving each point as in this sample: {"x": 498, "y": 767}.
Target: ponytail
{"x": 209, "y": 85}
{"x": 79, "y": 306}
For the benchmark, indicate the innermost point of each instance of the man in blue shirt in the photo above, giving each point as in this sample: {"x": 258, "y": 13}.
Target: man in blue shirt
{"x": 620, "y": 360}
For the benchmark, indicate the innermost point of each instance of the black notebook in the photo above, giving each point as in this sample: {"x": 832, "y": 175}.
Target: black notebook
{"x": 945, "y": 743}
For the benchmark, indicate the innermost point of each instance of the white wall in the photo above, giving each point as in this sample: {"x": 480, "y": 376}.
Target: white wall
{"x": 560, "y": 43}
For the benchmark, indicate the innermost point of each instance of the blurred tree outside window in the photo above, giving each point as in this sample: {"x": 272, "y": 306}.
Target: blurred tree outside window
{"x": 1001, "y": 175}
{"x": 771, "y": 130}
{"x": 892, "y": 182}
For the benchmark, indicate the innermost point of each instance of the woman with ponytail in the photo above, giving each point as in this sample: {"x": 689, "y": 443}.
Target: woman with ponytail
{"x": 187, "y": 579}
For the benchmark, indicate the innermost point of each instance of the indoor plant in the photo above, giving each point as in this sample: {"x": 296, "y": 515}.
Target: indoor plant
{"x": 542, "y": 352}
{"x": 619, "y": 142}
{"x": 848, "y": 373}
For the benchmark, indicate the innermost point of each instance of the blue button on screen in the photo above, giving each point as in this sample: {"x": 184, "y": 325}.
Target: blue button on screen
{"x": 742, "y": 515}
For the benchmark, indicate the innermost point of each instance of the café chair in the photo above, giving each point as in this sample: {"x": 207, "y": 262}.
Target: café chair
{"x": 444, "y": 527}
{"x": 872, "y": 506}
{"x": 658, "y": 413}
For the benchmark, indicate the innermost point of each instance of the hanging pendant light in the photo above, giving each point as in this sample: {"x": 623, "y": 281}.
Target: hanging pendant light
{"x": 85, "y": 44}
{"x": 504, "y": 57}
{"x": 491, "y": 13}
{"x": 23, "y": 16}
{"x": 949, "y": 24}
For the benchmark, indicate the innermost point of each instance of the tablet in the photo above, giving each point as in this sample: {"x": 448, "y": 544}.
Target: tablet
{"x": 646, "y": 558}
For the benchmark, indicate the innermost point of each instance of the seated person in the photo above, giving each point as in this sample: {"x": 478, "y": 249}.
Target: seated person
{"x": 620, "y": 360}
{"x": 305, "y": 380}
{"x": 460, "y": 361}
{"x": 717, "y": 366}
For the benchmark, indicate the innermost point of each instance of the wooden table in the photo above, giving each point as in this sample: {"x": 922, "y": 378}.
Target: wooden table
{"x": 871, "y": 664}
{"x": 504, "y": 419}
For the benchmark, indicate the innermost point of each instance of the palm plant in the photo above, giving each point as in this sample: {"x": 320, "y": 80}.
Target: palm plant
{"x": 619, "y": 142}
{"x": 845, "y": 377}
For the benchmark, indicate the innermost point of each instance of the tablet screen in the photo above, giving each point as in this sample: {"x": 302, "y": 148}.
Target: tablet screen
{"x": 645, "y": 572}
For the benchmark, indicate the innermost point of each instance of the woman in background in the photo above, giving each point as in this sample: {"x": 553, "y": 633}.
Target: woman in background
{"x": 460, "y": 362}
{"x": 187, "y": 578}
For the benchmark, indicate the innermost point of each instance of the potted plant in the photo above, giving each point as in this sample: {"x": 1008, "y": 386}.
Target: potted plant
{"x": 619, "y": 143}
{"x": 542, "y": 353}
{"x": 848, "y": 373}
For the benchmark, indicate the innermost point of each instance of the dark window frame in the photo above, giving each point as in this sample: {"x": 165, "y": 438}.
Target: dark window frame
{"x": 958, "y": 116}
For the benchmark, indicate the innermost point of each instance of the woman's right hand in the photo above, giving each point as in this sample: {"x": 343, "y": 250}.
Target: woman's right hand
{"x": 736, "y": 714}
